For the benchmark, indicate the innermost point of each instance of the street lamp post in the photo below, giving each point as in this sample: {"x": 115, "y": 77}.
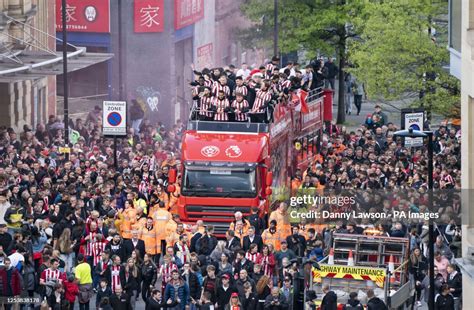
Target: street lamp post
{"x": 65, "y": 79}
{"x": 410, "y": 133}
{"x": 275, "y": 28}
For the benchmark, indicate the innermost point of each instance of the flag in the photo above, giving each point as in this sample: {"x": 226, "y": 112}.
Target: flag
{"x": 304, "y": 106}
{"x": 74, "y": 136}
{"x": 299, "y": 101}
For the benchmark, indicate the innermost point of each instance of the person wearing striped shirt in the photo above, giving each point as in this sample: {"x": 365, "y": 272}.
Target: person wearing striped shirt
{"x": 271, "y": 66}
{"x": 262, "y": 100}
{"x": 220, "y": 105}
{"x": 240, "y": 87}
{"x": 221, "y": 85}
{"x": 205, "y": 104}
{"x": 113, "y": 273}
{"x": 240, "y": 107}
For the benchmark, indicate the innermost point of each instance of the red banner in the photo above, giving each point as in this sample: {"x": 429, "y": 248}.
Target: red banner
{"x": 84, "y": 16}
{"x": 148, "y": 16}
{"x": 187, "y": 12}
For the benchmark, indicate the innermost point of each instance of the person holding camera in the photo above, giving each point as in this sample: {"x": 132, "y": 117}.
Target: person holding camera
{"x": 275, "y": 301}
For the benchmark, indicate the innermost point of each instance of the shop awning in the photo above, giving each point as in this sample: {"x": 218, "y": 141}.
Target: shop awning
{"x": 37, "y": 64}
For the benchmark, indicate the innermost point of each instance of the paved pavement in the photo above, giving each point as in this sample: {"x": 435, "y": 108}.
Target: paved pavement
{"x": 391, "y": 108}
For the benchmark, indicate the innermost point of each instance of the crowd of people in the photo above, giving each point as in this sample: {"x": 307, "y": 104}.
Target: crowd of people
{"x": 73, "y": 225}
{"x": 228, "y": 94}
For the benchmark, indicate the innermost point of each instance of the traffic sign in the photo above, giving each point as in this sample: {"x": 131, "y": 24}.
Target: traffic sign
{"x": 414, "y": 119}
{"x": 114, "y": 118}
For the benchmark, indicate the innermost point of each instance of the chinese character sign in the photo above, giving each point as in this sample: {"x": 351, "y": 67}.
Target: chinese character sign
{"x": 148, "y": 16}
{"x": 187, "y": 12}
{"x": 84, "y": 16}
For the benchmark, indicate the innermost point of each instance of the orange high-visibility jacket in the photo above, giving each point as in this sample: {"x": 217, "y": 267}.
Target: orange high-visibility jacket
{"x": 160, "y": 218}
{"x": 149, "y": 237}
{"x": 273, "y": 239}
{"x": 139, "y": 224}
{"x": 129, "y": 218}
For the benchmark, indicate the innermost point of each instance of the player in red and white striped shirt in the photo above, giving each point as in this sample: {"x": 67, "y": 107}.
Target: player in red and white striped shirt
{"x": 240, "y": 106}
{"x": 262, "y": 99}
{"x": 205, "y": 104}
{"x": 271, "y": 66}
{"x": 221, "y": 104}
{"x": 221, "y": 85}
{"x": 240, "y": 87}
{"x": 52, "y": 273}
{"x": 165, "y": 271}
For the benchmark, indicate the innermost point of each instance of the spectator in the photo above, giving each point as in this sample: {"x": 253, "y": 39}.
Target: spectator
{"x": 11, "y": 281}
{"x": 224, "y": 292}
{"x": 417, "y": 267}
{"x": 156, "y": 302}
{"x": 331, "y": 70}
{"x": 120, "y": 300}
{"x": 444, "y": 300}
{"x": 329, "y": 301}
{"x": 177, "y": 290}
{"x": 373, "y": 302}
{"x": 71, "y": 290}
{"x": 454, "y": 282}
{"x": 441, "y": 262}
{"x": 287, "y": 291}
{"x": 353, "y": 303}
{"x": 84, "y": 275}
{"x": 275, "y": 301}
{"x": 249, "y": 300}
{"x": 441, "y": 247}
{"x": 284, "y": 252}
{"x": 103, "y": 292}
{"x": 129, "y": 280}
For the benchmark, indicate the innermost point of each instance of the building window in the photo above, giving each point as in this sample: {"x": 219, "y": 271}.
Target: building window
{"x": 455, "y": 9}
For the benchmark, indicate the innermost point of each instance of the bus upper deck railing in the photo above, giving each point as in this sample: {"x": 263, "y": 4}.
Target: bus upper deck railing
{"x": 217, "y": 126}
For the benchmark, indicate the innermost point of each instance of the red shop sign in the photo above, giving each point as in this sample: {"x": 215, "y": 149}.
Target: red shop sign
{"x": 187, "y": 12}
{"x": 84, "y": 16}
{"x": 148, "y": 16}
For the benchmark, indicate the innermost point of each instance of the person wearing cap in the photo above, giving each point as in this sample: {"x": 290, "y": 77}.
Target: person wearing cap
{"x": 284, "y": 252}
{"x": 287, "y": 291}
{"x": 224, "y": 291}
{"x": 234, "y": 303}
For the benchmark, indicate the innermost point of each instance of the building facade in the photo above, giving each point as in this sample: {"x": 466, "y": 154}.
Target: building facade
{"x": 25, "y": 27}
{"x": 467, "y": 178}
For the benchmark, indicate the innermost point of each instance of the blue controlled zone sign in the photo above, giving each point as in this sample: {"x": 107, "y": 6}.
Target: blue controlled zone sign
{"x": 114, "y": 116}
{"x": 414, "y": 119}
